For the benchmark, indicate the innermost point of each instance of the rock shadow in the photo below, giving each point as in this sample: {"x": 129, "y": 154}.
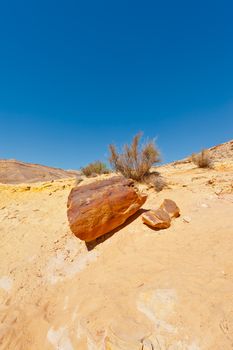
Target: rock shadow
{"x": 156, "y": 229}
{"x": 92, "y": 244}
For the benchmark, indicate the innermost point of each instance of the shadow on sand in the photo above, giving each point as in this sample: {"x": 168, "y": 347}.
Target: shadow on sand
{"x": 92, "y": 244}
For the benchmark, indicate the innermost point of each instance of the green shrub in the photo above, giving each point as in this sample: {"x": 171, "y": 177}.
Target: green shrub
{"x": 135, "y": 160}
{"x": 95, "y": 168}
{"x": 202, "y": 159}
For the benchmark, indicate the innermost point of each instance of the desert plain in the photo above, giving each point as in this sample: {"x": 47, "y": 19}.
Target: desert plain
{"x": 134, "y": 289}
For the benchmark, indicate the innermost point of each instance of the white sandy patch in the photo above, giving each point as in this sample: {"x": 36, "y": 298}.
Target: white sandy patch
{"x": 182, "y": 345}
{"x": 156, "y": 305}
{"x": 32, "y": 258}
{"x": 81, "y": 263}
{"x": 59, "y": 339}
{"x": 161, "y": 342}
{"x": 6, "y": 283}
{"x": 59, "y": 268}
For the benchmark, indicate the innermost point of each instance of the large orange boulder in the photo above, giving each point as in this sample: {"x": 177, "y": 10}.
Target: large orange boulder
{"x": 100, "y": 207}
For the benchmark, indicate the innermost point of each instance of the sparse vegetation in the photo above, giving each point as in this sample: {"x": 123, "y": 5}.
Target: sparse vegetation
{"x": 95, "y": 168}
{"x": 155, "y": 180}
{"x": 136, "y": 160}
{"x": 202, "y": 159}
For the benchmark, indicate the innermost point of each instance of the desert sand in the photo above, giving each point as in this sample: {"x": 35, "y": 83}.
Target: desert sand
{"x": 137, "y": 289}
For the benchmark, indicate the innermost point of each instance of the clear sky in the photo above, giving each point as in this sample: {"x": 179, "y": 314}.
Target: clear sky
{"x": 78, "y": 75}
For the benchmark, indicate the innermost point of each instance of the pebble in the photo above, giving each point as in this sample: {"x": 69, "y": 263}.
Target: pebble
{"x": 187, "y": 219}
{"x": 204, "y": 205}
{"x": 218, "y": 191}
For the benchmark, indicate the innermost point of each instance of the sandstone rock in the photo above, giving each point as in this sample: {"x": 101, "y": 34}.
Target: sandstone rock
{"x": 157, "y": 218}
{"x": 100, "y": 207}
{"x": 171, "y": 208}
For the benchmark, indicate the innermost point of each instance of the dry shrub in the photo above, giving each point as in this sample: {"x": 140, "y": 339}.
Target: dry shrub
{"x": 155, "y": 180}
{"x": 202, "y": 159}
{"x": 135, "y": 160}
{"x": 95, "y": 168}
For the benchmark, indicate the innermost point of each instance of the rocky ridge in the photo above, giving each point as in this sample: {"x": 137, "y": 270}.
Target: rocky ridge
{"x": 16, "y": 172}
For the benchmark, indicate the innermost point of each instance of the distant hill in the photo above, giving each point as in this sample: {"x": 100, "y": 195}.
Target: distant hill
{"x": 219, "y": 153}
{"x": 15, "y": 172}
{"x": 222, "y": 151}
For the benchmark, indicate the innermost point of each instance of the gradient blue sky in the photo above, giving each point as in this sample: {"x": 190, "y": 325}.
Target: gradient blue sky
{"x": 78, "y": 75}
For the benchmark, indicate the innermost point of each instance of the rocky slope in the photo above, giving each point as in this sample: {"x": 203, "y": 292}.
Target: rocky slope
{"x": 136, "y": 289}
{"x": 223, "y": 151}
{"x": 220, "y": 153}
{"x": 16, "y": 172}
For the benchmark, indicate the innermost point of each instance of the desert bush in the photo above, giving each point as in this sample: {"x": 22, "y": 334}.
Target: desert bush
{"x": 155, "y": 180}
{"x": 135, "y": 160}
{"x": 202, "y": 159}
{"x": 95, "y": 168}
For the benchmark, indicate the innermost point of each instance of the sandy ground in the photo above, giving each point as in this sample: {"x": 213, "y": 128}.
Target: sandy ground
{"x": 139, "y": 289}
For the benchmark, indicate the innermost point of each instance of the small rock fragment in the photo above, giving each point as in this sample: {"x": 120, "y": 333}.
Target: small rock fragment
{"x": 218, "y": 191}
{"x": 187, "y": 219}
{"x": 211, "y": 181}
{"x": 171, "y": 208}
{"x": 157, "y": 218}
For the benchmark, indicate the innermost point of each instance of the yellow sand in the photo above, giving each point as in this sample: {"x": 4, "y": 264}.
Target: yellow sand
{"x": 139, "y": 289}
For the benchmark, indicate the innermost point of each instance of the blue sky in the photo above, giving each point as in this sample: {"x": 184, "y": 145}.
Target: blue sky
{"x": 78, "y": 75}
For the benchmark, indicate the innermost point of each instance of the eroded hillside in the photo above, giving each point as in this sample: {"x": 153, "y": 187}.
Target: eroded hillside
{"x": 16, "y": 172}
